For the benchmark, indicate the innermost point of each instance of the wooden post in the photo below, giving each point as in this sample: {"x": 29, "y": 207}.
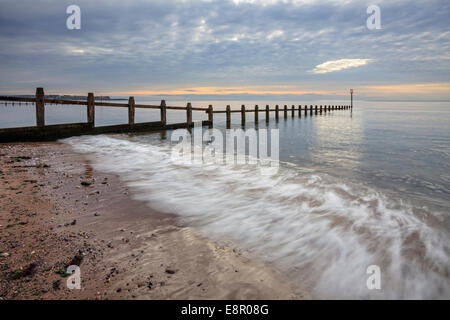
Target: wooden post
{"x": 299, "y": 111}
{"x": 164, "y": 112}
{"x": 293, "y": 111}
{"x": 91, "y": 109}
{"x": 311, "y": 109}
{"x": 315, "y": 109}
{"x": 267, "y": 113}
{"x": 256, "y": 114}
{"x": 40, "y": 107}
{"x": 306, "y": 110}
{"x": 276, "y": 112}
{"x": 320, "y": 109}
{"x": 285, "y": 111}
{"x": 189, "y": 115}
{"x": 243, "y": 115}
{"x": 351, "y": 98}
{"x": 228, "y": 113}
{"x": 210, "y": 116}
{"x": 131, "y": 110}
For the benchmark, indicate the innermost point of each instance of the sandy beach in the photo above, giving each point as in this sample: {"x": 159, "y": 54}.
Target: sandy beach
{"x": 56, "y": 211}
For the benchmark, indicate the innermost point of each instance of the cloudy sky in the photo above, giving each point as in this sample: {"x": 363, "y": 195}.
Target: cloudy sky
{"x": 226, "y": 47}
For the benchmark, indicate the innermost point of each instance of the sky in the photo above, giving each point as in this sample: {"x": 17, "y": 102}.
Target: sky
{"x": 228, "y": 48}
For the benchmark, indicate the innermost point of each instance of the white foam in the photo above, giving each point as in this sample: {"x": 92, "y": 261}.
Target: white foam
{"x": 323, "y": 233}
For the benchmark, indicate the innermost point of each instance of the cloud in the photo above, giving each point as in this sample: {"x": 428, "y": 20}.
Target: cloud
{"x": 165, "y": 45}
{"x": 338, "y": 65}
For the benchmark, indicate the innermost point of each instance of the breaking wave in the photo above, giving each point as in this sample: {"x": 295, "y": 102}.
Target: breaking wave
{"x": 322, "y": 232}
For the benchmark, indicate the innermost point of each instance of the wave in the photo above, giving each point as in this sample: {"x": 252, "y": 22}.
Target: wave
{"x": 323, "y": 233}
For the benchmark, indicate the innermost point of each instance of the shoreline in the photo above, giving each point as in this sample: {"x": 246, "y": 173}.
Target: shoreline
{"x": 57, "y": 210}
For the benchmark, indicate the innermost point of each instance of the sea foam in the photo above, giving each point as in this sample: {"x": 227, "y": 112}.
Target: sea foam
{"x": 321, "y": 232}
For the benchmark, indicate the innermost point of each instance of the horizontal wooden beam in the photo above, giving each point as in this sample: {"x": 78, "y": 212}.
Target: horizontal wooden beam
{"x": 59, "y": 131}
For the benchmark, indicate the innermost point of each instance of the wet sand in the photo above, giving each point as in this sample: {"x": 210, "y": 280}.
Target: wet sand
{"x": 55, "y": 211}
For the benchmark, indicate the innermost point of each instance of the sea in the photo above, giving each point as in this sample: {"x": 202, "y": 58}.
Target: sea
{"x": 359, "y": 207}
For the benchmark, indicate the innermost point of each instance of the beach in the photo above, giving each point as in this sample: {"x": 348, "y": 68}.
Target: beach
{"x": 56, "y": 210}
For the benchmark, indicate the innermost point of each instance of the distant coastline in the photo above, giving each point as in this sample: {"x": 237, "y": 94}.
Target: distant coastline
{"x": 71, "y": 97}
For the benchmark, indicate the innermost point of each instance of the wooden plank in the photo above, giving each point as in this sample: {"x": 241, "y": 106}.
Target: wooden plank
{"x": 256, "y": 114}
{"x": 243, "y": 115}
{"x": 228, "y": 116}
{"x": 163, "y": 112}
{"x": 40, "y": 107}
{"x": 110, "y": 104}
{"x": 19, "y": 99}
{"x": 189, "y": 114}
{"x": 210, "y": 115}
{"x": 91, "y": 109}
{"x": 276, "y": 112}
{"x": 267, "y": 113}
{"x": 131, "y": 110}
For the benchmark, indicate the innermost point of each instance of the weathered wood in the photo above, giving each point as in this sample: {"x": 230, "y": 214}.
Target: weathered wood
{"x": 256, "y": 113}
{"x": 163, "y": 108}
{"x": 91, "y": 109}
{"x": 40, "y": 107}
{"x": 285, "y": 111}
{"x": 210, "y": 116}
{"x": 267, "y": 113}
{"x": 299, "y": 111}
{"x": 189, "y": 114}
{"x": 351, "y": 98}
{"x": 6, "y": 98}
{"x": 131, "y": 108}
{"x": 228, "y": 113}
{"x": 277, "y": 110}
{"x": 243, "y": 115}
{"x": 320, "y": 110}
{"x": 315, "y": 109}
{"x": 293, "y": 111}
{"x": 311, "y": 109}
{"x": 55, "y": 132}
{"x": 306, "y": 110}
{"x": 107, "y": 104}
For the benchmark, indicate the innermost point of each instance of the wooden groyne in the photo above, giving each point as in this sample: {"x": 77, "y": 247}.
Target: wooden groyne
{"x": 43, "y": 132}
{"x": 293, "y": 110}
